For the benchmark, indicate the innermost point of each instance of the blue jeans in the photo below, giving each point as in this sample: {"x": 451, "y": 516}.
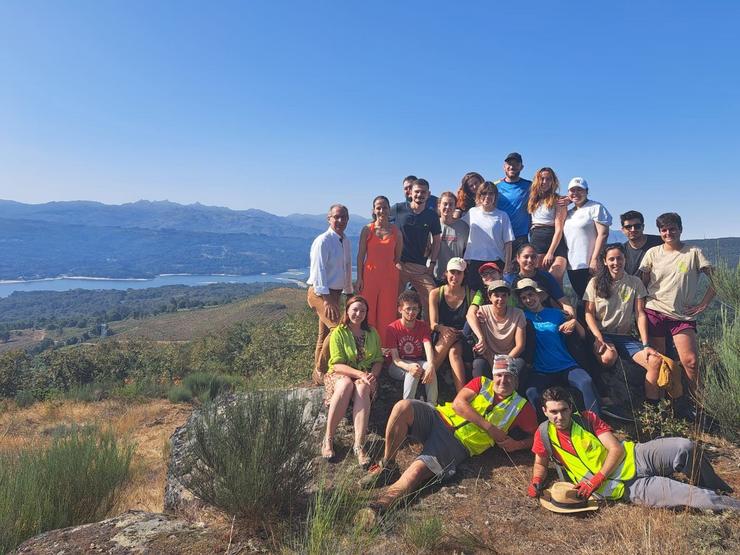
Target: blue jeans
{"x": 537, "y": 382}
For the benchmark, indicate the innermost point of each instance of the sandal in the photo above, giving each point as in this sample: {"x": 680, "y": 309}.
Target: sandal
{"x": 327, "y": 448}
{"x": 362, "y": 457}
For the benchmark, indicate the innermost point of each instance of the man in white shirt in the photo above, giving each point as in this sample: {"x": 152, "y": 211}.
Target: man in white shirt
{"x": 330, "y": 276}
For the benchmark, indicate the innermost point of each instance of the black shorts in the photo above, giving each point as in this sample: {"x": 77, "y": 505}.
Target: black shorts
{"x": 541, "y": 237}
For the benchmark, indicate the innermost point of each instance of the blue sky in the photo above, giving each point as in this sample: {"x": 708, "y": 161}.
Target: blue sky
{"x": 290, "y": 106}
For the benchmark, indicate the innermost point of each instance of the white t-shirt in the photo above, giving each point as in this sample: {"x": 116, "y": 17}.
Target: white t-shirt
{"x": 580, "y": 232}
{"x": 489, "y": 232}
{"x": 543, "y": 215}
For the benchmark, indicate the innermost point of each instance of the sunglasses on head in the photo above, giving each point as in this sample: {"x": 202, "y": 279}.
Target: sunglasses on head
{"x": 633, "y": 226}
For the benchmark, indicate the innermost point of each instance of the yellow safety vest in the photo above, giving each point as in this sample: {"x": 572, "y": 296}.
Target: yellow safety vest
{"x": 591, "y": 454}
{"x": 501, "y": 415}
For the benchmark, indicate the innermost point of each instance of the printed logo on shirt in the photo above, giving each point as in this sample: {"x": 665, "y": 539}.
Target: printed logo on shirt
{"x": 408, "y": 345}
{"x": 625, "y": 294}
{"x": 682, "y": 267}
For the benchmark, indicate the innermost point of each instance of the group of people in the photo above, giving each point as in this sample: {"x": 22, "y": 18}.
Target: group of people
{"x": 473, "y": 280}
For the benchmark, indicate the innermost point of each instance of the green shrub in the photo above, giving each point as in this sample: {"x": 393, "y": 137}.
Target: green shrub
{"x": 25, "y": 398}
{"x": 659, "y": 421}
{"x": 179, "y": 394}
{"x": 206, "y": 386}
{"x": 75, "y": 480}
{"x": 251, "y": 457}
{"x": 423, "y": 534}
{"x": 146, "y": 388}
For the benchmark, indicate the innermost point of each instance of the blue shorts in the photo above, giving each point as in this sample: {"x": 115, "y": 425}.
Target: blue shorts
{"x": 626, "y": 345}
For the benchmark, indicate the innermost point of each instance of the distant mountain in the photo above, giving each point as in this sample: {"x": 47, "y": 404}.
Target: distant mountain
{"x": 162, "y": 215}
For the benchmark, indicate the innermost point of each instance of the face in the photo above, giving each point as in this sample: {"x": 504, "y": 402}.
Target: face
{"x": 357, "y": 312}
{"x": 578, "y": 195}
{"x": 381, "y": 209}
{"x": 633, "y": 229}
{"x": 559, "y": 413}
{"x": 407, "y": 188}
{"x": 409, "y": 311}
{"x": 512, "y": 169}
{"x": 527, "y": 259}
{"x": 446, "y": 206}
{"x": 473, "y": 185}
{"x": 454, "y": 277}
{"x": 614, "y": 261}
{"x": 419, "y": 194}
{"x": 490, "y": 275}
{"x": 670, "y": 233}
{"x": 504, "y": 384}
{"x": 547, "y": 181}
{"x": 338, "y": 218}
{"x": 488, "y": 200}
{"x": 499, "y": 298}
{"x": 530, "y": 299}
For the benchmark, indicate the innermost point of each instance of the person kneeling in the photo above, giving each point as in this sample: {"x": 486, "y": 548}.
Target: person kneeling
{"x": 481, "y": 416}
{"x": 599, "y": 464}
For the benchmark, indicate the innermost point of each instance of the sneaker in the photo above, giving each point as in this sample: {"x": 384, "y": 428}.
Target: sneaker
{"x": 380, "y": 475}
{"x": 617, "y": 413}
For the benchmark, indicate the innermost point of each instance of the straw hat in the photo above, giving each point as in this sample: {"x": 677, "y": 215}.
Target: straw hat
{"x": 561, "y": 497}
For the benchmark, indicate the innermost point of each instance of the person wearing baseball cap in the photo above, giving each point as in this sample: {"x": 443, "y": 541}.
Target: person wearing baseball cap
{"x": 501, "y": 331}
{"x": 485, "y": 413}
{"x": 513, "y": 198}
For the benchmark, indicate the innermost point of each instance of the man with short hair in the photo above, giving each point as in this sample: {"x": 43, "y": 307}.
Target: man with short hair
{"x": 486, "y": 412}
{"x": 418, "y": 225}
{"x": 513, "y": 196}
{"x": 598, "y": 463}
{"x": 408, "y": 182}
{"x": 638, "y": 242}
{"x": 330, "y": 275}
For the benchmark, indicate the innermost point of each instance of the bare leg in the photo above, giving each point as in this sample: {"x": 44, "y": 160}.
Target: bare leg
{"x": 343, "y": 389}
{"x": 361, "y": 412}
{"x": 399, "y": 422}
{"x": 685, "y": 342}
{"x": 416, "y": 474}
{"x": 558, "y": 269}
{"x": 608, "y": 358}
{"x": 651, "y": 364}
{"x": 458, "y": 366}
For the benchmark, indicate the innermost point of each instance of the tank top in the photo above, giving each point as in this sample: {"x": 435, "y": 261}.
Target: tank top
{"x": 543, "y": 215}
{"x": 381, "y": 252}
{"x": 454, "y": 318}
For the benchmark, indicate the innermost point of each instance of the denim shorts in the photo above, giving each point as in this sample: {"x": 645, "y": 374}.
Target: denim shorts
{"x": 626, "y": 345}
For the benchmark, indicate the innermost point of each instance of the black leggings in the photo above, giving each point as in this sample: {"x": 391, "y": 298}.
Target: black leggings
{"x": 579, "y": 280}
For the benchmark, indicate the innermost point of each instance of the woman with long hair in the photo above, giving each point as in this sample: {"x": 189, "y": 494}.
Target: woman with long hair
{"x": 355, "y": 362}
{"x": 466, "y": 193}
{"x": 454, "y": 235}
{"x": 614, "y": 301}
{"x": 378, "y": 261}
{"x": 548, "y": 217}
{"x": 491, "y": 235}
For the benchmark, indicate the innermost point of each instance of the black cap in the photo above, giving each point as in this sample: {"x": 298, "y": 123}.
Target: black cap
{"x": 514, "y": 156}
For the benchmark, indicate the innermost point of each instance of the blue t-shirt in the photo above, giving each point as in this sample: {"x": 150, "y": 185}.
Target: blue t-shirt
{"x": 512, "y": 199}
{"x": 544, "y": 279}
{"x": 550, "y": 353}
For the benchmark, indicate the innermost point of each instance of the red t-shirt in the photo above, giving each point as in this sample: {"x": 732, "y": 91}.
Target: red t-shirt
{"x": 408, "y": 341}
{"x": 526, "y": 420}
{"x": 597, "y": 425}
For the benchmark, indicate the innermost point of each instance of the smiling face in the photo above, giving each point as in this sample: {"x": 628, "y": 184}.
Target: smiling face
{"x": 446, "y": 207}
{"x": 419, "y": 194}
{"x": 558, "y": 413}
{"x": 578, "y": 195}
{"x": 499, "y": 299}
{"x": 633, "y": 229}
{"x": 488, "y": 201}
{"x": 670, "y": 233}
{"x": 614, "y": 261}
{"x": 407, "y": 188}
{"x": 356, "y": 312}
{"x": 454, "y": 277}
{"x": 338, "y": 218}
{"x": 547, "y": 181}
{"x": 530, "y": 299}
{"x": 527, "y": 260}
{"x": 381, "y": 209}
{"x": 409, "y": 312}
{"x": 504, "y": 384}
{"x": 490, "y": 275}
{"x": 512, "y": 169}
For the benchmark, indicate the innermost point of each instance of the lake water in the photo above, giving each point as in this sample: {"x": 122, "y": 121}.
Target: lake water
{"x": 65, "y": 284}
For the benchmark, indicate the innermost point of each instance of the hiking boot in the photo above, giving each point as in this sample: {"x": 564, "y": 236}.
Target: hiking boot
{"x": 380, "y": 475}
{"x": 617, "y": 413}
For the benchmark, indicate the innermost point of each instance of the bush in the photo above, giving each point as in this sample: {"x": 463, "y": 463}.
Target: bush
{"x": 24, "y": 399}
{"x": 659, "y": 421}
{"x": 179, "y": 394}
{"x": 251, "y": 457}
{"x": 206, "y": 386}
{"x": 75, "y": 480}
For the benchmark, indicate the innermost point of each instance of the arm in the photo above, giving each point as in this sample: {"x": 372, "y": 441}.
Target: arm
{"x": 567, "y": 307}
{"x": 434, "y": 308}
{"x": 507, "y": 254}
{"x": 602, "y": 232}
{"x": 429, "y": 369}
{"x": 520, "y": 340}
{"x": 706, "y": 299}
{"x": 399, "y": 247}
{"x": 361, "y": 252}
{"x": 642, "y": 326}
{"x": 560, "y": 213}
{"x": 614, "y": 455}
{"x": 461, "y": 405}
{"x": 571, "y": 326}
{"x": 412, "y": 368}
{"x": 593, "y": 326}
{"x": 434, "y": 253}
{"x": 472, "y": 318}
{"x": 346, "y": 370}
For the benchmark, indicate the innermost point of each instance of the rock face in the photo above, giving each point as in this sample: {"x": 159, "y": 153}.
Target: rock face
{"x": 131, "y": 532}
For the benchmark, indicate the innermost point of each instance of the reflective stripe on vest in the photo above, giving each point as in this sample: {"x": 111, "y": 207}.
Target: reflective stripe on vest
{"x": 501, "y": 415}
{"x": 590, "y": 456}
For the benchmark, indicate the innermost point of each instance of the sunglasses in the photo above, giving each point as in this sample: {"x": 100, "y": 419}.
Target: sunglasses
{"x": 633, "y": 226}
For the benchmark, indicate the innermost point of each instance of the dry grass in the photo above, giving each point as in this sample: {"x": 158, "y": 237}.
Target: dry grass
{"x": 147, "y": 424}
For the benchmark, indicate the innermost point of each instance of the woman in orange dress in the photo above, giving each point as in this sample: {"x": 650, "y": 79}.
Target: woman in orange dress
{"x": 378, "y": 259}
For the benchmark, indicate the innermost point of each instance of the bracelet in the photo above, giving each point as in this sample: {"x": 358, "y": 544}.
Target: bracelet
{"x": 645, "y": 345}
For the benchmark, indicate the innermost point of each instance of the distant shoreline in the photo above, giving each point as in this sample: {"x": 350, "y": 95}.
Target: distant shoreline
{"x": 139, "y": 279}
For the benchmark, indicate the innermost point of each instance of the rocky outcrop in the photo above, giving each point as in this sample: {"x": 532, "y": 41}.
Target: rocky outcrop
{"x": 131, "y": 532}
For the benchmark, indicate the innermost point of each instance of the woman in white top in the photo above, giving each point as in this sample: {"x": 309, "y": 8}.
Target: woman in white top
{"x": 548, "y": 217}
{"x": 586, "y": 229}
{"x": 490, "y": 236}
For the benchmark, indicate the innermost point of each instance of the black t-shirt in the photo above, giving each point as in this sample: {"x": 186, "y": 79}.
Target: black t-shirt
{"x": 415, "y": 229}
{"x": 633, "y": 257}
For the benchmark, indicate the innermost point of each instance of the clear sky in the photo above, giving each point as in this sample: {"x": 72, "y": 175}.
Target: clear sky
{"x": 290, "y": 106}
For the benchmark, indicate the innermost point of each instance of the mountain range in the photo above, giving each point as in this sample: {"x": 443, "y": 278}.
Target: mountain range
{"x": 146, "y": 238}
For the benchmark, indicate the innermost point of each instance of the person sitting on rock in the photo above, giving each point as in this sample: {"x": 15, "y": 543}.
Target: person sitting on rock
{"x": 483, "y": 414}
{"x": 599, "y": 464}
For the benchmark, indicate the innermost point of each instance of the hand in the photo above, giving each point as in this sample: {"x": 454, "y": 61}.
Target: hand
{"x": 480, "y": 347}
{"x": 358, "y": 285}
{"x": 649, "y": 351}
{"x": 593, "y": 266}
{"x": 481, "y": 317}
{"x": 600, "y": 346}
{"x": 548, "y": 260}
{"x": 331, "y": 311}
{"x": 429, "y": 373}
{"x": 536, "y": 486}
{"x": 695, "y": 310}
{"x": 563, "y": 201}
{"x": 447, "y": 333}
{"x": 398, "y": 266}
{"x": 567, "y": 327}
{"x": 415, "y": 370}
{"x": 370, "y": 379}
{"x": 508, "y": 444}
{"x": 589, "y": 485}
